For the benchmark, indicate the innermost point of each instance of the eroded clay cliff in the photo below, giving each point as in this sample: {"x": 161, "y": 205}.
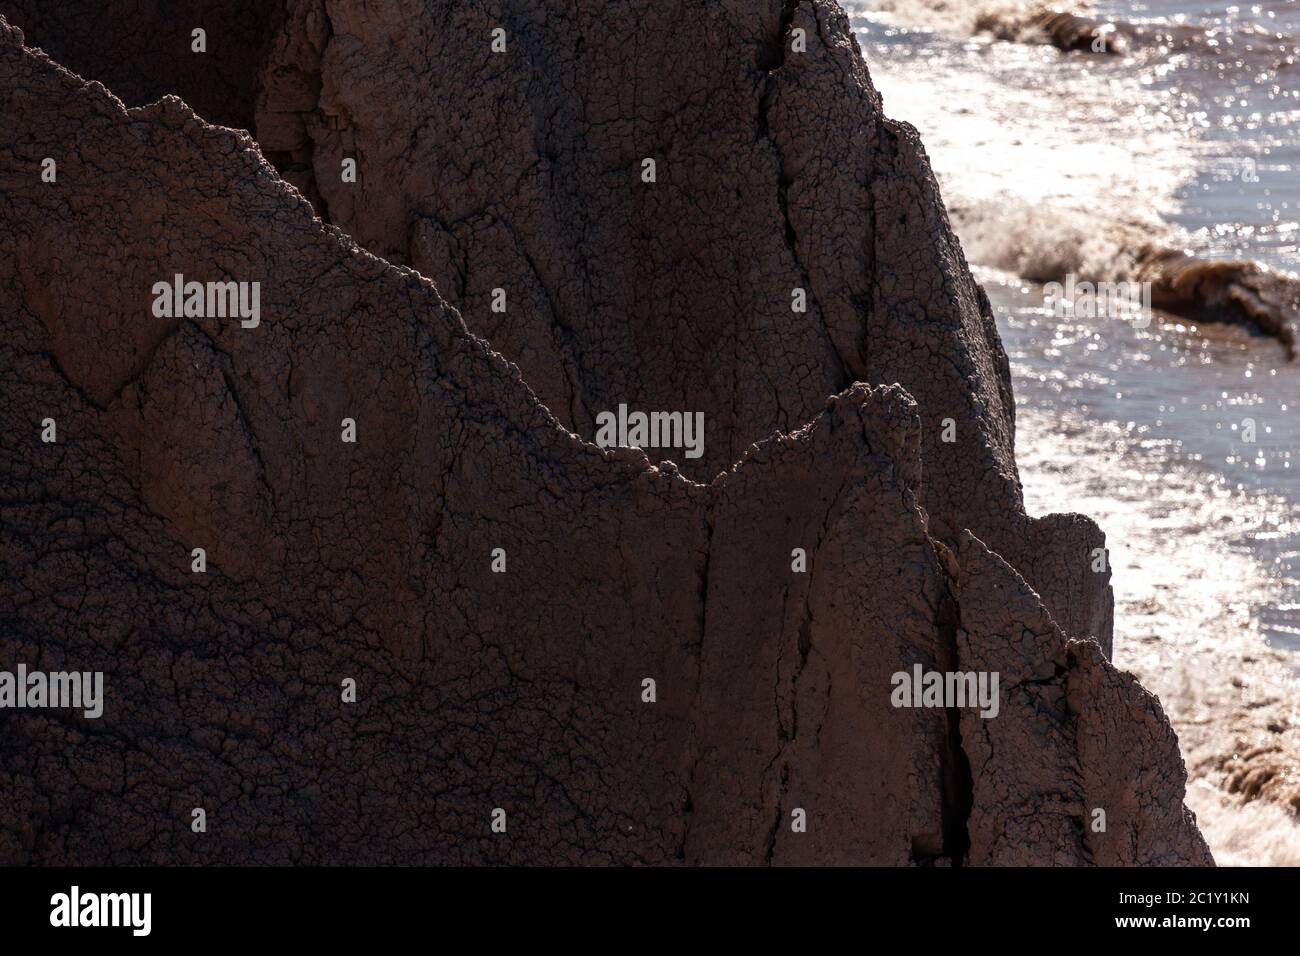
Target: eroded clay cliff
{"x": 776, "y": 174}
{"x": 523, "y": 690}
{"x": 521, "y": 171}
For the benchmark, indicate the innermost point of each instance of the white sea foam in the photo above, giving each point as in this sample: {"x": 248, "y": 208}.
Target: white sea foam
{"x": 959, "y": 16}
{"x": 1249, "y": 834}
{"x": 1049, "y": 180}
{"x": 1187, "y": 592}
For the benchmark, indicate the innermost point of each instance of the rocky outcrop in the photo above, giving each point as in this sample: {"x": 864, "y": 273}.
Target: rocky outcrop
{"x": 499, "y": 589}
{"x": 1247, "y": 293}
{"x": 779, "y": 184}
{"x": 1068, "y": 707}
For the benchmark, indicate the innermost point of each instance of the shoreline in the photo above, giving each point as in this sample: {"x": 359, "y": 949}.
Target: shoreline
{"x": 1138, "y": 428}
{"x": 1182, "y": 630}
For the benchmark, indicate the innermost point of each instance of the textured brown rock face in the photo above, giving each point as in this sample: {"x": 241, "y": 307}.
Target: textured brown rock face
{"x": 775, "y": 170}
{"x": 1064, "y": 704}
{"x": 523, "y": 690}
{"x": 521, "y": 171}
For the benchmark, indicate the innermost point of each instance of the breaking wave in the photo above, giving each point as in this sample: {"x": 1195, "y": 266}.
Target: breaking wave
{"x": 1044, "y": 244}
{"x": 1097, "y": 175}
{"x": 1074, "y": 27}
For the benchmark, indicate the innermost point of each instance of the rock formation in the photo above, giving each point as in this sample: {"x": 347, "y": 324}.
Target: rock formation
{"x": 775, "y": 170}
{"x": 500, "y": 589}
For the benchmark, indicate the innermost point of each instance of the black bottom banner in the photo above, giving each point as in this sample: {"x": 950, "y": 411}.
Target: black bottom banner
{"x": 346, "y": 906}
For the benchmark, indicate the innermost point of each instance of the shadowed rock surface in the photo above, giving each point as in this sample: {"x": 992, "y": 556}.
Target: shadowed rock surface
{"x": 522, "y": 690}
{"x": 775, "y": 171}
{"x": 144, "y": 49}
